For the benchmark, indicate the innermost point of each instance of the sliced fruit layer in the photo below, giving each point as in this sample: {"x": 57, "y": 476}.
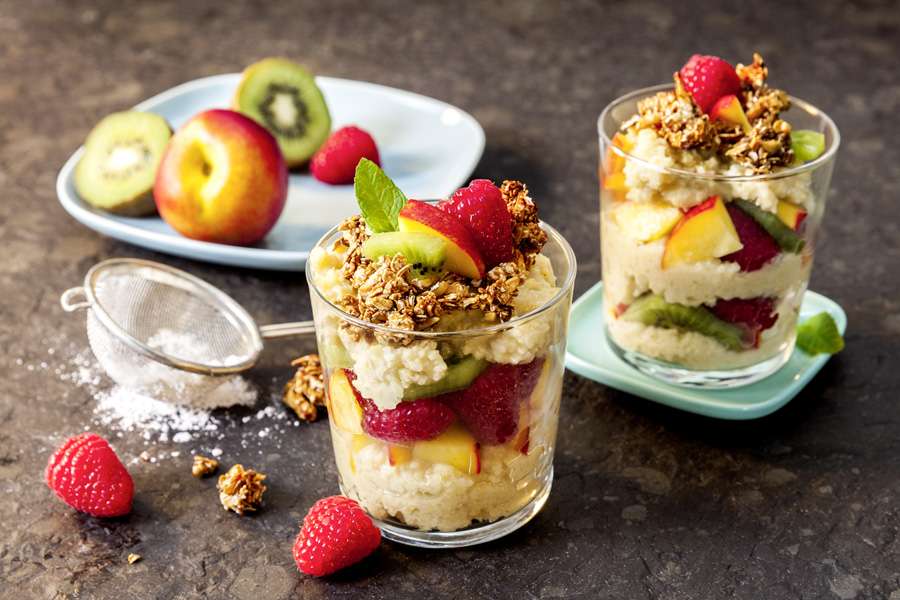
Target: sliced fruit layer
{"x": 481, "y": 208}
{"x": 344, "y": 402}
{"x": 490, "y": 407}
{"x": 807, "y": 145}
{"x": 783, "y": 235}
{"x": 757, "y": 246}
{"x": 653, "y": 311}
{"x": 646, "y": 221}
{"x": 421, "y": 419}
{"x": 463, "y": 256}
{"x": 754, "y": 314}
{"x": 460, "y": 373}
{"x": 791, "y": 214}
{"x": 118, "y": 168}
{"x": 455, "y": 447}
{"x": 283, "y": 97}
{"x": 425, "y": 252}
{"x": 705, "y": 232}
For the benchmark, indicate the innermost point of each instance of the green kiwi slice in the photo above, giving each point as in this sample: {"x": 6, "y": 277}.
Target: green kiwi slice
{"x": 652, "y": 310}
{"x": 283, "y": 97}
{"x": 121, "y": 155}
{"x": 424, "y": 251}
{"x": 461, "y": 372}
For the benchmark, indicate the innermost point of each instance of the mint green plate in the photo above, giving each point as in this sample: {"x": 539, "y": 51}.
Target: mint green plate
{"x": 588, "y": 354}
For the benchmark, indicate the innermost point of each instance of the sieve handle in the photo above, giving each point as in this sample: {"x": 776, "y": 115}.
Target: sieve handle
{"x": 68, "y": 299}
{"x": 281, "y": 330}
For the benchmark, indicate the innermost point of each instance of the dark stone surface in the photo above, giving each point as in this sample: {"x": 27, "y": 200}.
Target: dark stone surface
{"x": 648, "y": 502}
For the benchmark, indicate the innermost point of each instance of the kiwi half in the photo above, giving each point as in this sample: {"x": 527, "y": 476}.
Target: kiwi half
{"x": 283, "y": 97}
{"x": 121, "y": 155}
{"x": 652, "y": 310}
{"x": 425, "y": 252}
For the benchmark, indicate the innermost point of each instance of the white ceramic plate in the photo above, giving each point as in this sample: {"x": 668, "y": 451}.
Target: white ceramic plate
{"x": 428, "y": 147}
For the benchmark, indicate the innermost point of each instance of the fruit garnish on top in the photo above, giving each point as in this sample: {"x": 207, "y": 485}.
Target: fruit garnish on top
{"x": 729, "y": 111}
{"x": 409, "y": 262}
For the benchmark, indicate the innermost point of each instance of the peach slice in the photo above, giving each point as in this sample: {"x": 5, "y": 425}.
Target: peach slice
{"x": 705, "y": 232}
{"x": 791, "y": 214}
{"x": 463, "y": 256}
{"x": 646, "y": 221}
{"x": 357, "y": 443}
{"x": 615, "y": 162}
{"x": 728, "y": 108}
{"x": 399, "y": 455}
{"x": 343, "y": 408}
{"x": 455, "y": 447}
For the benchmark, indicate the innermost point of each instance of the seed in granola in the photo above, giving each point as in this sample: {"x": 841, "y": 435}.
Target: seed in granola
{"x": 203, "y": 466}
{"x": 306, "y": 389}
{"x": 241, "y": 490}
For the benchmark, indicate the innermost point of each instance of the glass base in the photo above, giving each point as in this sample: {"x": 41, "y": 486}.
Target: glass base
{"x": 476, "y": 534}
{"x": 676, "y": 375}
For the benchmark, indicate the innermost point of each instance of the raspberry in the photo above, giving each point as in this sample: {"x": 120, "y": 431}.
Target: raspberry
{"x": 421, "y": 419}
{"x": 756, "y": 314}
{"x": 708, "y": 78}
{"x": 490, "y": 406}
{"x": 88, "y": 476}
{"x": 336, "y": 533}
{"x": 759, "y": 247}
{"x": 481, "y": 208}
{"x": 335, "y": 162}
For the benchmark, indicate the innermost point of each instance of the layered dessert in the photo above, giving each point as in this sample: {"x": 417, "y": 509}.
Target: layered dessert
{"x": 707, "y": 216}
{"x": 441, "y": 328}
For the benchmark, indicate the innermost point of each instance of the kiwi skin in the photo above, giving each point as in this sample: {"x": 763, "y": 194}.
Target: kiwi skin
{"x": 131, "y": 198}
{"x": 294, "y": 157}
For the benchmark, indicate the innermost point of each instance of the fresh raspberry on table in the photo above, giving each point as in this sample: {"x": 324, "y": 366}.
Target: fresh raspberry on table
{"x": 490, "y": 406}
{"x": 336, "y": 533}
{"x": 708, "y": 78}
{"x": 481, "y": 208}
{"x": 759, "y": 246}
{"x": 410, "y": 421}
{"x": 88, "y": 476}
{"x": 755, "y": 314}
{"x": 335, "y": 162}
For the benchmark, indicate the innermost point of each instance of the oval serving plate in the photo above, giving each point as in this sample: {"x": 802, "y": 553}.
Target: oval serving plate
{"x": 428, "y": 147}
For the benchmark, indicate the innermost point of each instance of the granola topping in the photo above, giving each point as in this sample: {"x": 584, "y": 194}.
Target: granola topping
{"x": 241, "y": 490}
{"x": 306, "y": 389}
{"x": 203, "y": 466}
{"x": 385, "y": 293}
{"x": 676, "y": 118}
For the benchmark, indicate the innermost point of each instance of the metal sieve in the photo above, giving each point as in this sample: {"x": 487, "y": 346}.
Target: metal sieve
{"x": 130, "y": 301}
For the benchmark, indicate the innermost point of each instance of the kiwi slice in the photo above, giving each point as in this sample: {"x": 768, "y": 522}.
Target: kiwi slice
{"x": 652, "y": 310}
{"x": 118, "y": 167}
{"x": 424, "y": 251}
{"x": 283, "y": 97}
{"x": 786, "y": 238}
{"x": 461, "y": 372}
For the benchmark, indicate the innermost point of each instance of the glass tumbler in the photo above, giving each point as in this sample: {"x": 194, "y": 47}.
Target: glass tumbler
{"x": 661, "y": 306}
{"x": 491, "y": 470}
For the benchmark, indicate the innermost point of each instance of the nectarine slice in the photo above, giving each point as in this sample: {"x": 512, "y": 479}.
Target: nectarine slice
{"x": 705, "y": 232}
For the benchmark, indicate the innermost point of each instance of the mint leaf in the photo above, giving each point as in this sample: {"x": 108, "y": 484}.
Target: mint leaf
{"x": 379, "y": 199}
{"x": 819, "y": 335}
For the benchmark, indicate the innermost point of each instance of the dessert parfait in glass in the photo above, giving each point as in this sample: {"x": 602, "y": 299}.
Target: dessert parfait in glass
{"x": 711, "y": 199}
{"x": 441, "y": 328}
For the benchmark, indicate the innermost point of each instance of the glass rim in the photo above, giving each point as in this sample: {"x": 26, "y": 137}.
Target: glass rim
{"x": 564, "y": 289}
{"x": 812, "y": 165}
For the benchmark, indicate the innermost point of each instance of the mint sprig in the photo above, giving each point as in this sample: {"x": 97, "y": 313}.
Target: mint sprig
{"x": 819, "y": 334}
{"x": 379, "y": 198}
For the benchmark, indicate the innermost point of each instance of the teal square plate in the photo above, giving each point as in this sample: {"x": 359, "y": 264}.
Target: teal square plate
{"x": 589, "y": 354}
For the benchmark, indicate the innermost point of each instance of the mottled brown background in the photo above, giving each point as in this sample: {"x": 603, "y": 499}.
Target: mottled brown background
{"x": 648, "y": 502}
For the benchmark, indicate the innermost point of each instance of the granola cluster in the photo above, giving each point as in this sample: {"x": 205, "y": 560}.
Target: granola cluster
{"x": 386, "y": 293}
{"x": 675, "y": 117}
{"x": 241, "y": 489}
{"x": 306, "y": 389}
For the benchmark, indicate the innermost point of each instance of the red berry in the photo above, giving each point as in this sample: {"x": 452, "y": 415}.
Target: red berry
{"x": 759, "y": 247}
{"x": 756, "y": 314}
{"x": 489, "y": 407}
{"x": 335, "y": 162}
{"x": 708, "y": 78}
{"x": 421, "y": 419}
{"x": 481, "y": 208}
{"x": 88, "y": 476}
{"x": 336, "y": 533}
